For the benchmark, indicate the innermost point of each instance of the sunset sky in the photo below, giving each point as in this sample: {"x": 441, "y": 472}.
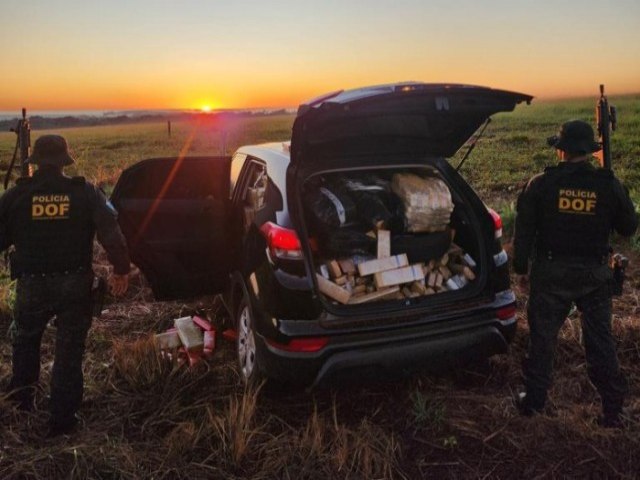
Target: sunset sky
{"x": 128, "y": 54}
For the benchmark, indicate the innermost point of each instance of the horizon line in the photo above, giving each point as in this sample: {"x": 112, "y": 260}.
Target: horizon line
{"x": 248, "y": 109}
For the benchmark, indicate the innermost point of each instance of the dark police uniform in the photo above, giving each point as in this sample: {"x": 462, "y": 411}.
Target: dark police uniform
{"x": 51, "y": 220}
{"x": 564, "y": 218}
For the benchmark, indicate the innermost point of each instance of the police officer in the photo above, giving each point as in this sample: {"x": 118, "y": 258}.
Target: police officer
{"x": 564, "y": 218}
{"x": 51, "y": 219}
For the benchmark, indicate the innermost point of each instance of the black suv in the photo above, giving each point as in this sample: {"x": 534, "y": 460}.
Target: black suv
{"x": 241, "y": 226}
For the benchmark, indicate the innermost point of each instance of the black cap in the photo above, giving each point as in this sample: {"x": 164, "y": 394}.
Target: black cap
{"x": 51, "y": 150}
{"x": 575, "y": 136}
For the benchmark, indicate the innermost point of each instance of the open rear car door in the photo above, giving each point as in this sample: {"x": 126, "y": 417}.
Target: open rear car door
{"x": 174, "y": 213}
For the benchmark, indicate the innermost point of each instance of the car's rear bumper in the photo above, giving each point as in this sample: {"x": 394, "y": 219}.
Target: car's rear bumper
{"x": 391, "y": 351}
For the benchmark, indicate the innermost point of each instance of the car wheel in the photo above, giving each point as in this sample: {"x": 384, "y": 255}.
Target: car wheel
{"x": 248, "y": 358}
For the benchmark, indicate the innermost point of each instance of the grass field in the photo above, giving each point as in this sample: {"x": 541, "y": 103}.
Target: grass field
{"x": 145, "y": 417}
{"x": 102, "y": 152}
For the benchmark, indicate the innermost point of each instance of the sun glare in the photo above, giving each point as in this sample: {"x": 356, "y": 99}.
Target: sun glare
{"x": 206, "y": 108}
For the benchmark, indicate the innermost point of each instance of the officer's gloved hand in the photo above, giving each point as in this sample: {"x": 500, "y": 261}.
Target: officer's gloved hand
{"x": 118, "y": 284}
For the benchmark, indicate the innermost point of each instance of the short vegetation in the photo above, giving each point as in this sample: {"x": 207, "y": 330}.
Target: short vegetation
{"x": 146, "y": 416}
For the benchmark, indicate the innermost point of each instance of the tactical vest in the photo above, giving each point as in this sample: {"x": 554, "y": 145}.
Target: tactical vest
{"x": 576, "y": 212}
{"x": 51, "y": 225}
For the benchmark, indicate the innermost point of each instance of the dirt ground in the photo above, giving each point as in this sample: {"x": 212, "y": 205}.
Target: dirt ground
{"x": 147, "y": 417}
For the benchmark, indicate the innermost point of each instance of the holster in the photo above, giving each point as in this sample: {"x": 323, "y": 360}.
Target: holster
{"x": 98, "y": 291}
{"x": 618, "y": 280}
{"x": 618, "y": 265}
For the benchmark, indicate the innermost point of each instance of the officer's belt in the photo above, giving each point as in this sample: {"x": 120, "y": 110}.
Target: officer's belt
{"x": 52, "y": 274}
{"x": 549, "y": 255}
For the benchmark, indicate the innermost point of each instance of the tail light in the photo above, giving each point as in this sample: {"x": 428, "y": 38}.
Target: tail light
{"x": 304, "y": 345}
{"x": 505, "y": 313}
{"x": 282, "y": 242}
{"x": 497, "y": 222}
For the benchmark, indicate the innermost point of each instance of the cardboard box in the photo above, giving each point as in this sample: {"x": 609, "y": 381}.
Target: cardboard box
{"x": 342, "y": 280}
{"x": 332, "y": 290}
{"x": 419, "y": 288}
{"x": 468, "y": 273}
{"x": 399, "y": 276}
{"x": 384, "y": 243}
{"x": 382, "y": 264}
{"x": 347, "y": 266}
{"x": 377, "y": 295}
{"x": 334, "y": 269}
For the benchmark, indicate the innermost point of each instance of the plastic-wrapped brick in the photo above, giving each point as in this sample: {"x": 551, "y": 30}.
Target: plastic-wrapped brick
{"x": 427, "y": 201}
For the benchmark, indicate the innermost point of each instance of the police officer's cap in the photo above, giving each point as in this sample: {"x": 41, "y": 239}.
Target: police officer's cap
{"x": 51, "y": 150}
{"x": 575, "y": 136}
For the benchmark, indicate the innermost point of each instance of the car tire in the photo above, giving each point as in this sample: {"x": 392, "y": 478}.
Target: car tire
{"x": 246, "y": 350}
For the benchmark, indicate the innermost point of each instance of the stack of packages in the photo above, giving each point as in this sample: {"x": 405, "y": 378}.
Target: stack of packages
{"x": 191, "y": 338}
{"x": 359, "y": 278}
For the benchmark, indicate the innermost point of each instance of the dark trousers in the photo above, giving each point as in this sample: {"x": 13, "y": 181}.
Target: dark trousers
{"x": 554, "y": 286}
{"x": 38, "y": 299}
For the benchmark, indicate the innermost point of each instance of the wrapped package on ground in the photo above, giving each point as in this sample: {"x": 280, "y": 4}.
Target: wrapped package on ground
{"x": 427, "y": 201}
{"x": 209, "y": 340}
{"x": 168, "y": 340}
{"x": 203, "y": 323}
{"x": 191, "y": 336}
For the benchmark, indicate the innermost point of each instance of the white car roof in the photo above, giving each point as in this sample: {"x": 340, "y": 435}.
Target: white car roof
{"x": 269, "y": 152}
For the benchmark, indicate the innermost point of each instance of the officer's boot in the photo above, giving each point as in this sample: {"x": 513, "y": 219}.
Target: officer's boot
{"x": 530, "y": 402}
{"x": 611, "y": 414}
{"x": 22, "y": 397}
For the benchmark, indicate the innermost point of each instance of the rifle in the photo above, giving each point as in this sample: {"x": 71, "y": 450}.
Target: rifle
{"x": 606, "y": 118}
{"x": 23, "y": 144}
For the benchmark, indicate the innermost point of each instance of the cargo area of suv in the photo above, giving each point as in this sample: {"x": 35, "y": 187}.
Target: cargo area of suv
{"x": 356, "y": 246}
{"x": 392, "y": 235}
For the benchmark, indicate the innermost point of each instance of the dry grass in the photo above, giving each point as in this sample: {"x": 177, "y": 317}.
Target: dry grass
{"x": 145, "y": 416}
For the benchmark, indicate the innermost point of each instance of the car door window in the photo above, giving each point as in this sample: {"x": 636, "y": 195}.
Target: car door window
{"x": 172, "y": 179}
{"x": 251, "y": 196}
{"x": 237, "y": 162}
{"x": 256, "y": 187}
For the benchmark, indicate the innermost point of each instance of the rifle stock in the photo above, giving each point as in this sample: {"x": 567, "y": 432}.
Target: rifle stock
{"x": 606, "y": 120}
{"x": 23, "y": 145}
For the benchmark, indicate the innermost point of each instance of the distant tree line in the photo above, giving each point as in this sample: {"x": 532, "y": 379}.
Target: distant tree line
{"x": 42, "y": 123}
